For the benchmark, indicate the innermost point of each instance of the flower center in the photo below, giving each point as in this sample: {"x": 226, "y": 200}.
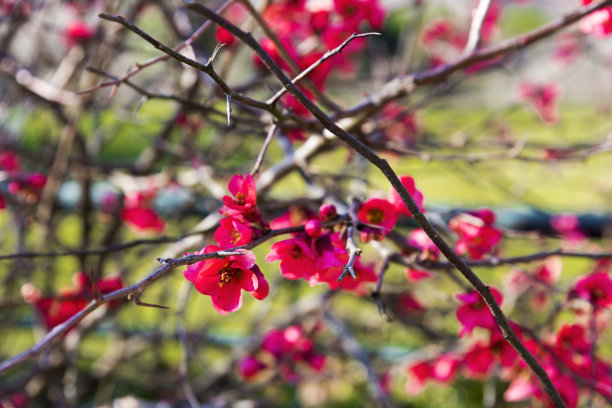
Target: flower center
{"x": 240, "y": 197}
{"x": 295, "y": 252}
{"x": 228, "y": 273}
{"x": 597, "y": 293}
{"x": 375, "y": 216}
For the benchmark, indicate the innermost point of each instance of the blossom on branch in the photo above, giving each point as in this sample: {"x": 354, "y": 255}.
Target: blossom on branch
{"x": 225, "y": 279}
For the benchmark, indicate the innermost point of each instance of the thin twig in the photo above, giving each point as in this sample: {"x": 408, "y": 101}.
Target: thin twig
{"x": 475, "y": 36}
{"x": 351, "y": 248}
{"x": 321, "y": 96}
{"x": 316, "y": 64}
{"x": 134, "y": 291}
{"x": 271, "y": 133}
{"x": 153, "y": 61}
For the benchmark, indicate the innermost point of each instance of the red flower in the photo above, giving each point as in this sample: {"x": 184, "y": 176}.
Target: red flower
{"x": 9, "y": 162}
{"x": 143, "y": 219}
{"x": 568, "y": 226}
{"x": 442, "y": 369}
{"x": 138, "y": 214}
{"x": 225, "y": 279}
{"x": 396, "y": 200}
{"x": 598, "y": 23}
{"x": 298, "y": 259}
{"x": 79, "y": 32}
{"x": 596, "y": 288}
{"x": 243, "y": 205}
{"x": 290, "y": 346}
{"x": 55, "y": 310}
{"x": 479, "y": 360}
{"x": 250, "y": 366}
{"x": 232, "y": 233}
{"x": 378, "y": 212}
{"x": 224, "y": 37}
{"x": 543, "y": 98}
{"x": 476, "y": 234}
{"x": 475, "y": 313}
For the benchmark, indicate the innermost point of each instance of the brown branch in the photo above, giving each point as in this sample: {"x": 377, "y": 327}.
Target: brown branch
{"x": 206, "y": 68}
{"x": 418, "y": 216}
{"x": 139, "y": 67}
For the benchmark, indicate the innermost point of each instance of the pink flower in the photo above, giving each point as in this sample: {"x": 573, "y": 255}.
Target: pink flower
{"x": 9, "y": 162}
{"x": 543, "y": 98}
{"x": 293, "y": 217}
{"x": 243, "y": 204}
{"x": 595, "y": 288}
{"x": 224, "y": 37}
{"x": 225, "y": 279}
{"x": 475, "y": 313}
{"x": 479, "y": 360}
{"x": 378, "y": 212}
{"x": 568, "y": 226}
{"x": 143, "y": 219}
{"x": 598, "y": 23}
{"x": 232, "y": 233}
{"x": 79, "y": 32}
{"x": 290, "y": 346}
{"x": 521, "y": 388}
{"x": 477, "y": 236}
{"x": 396, "y": 200}
{"x": 298, "y": 260}
{"x": 442, "y": 369}
{"x": 250, "y": 366}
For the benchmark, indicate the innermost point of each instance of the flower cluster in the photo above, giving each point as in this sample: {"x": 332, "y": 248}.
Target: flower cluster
{"x": 283, "y": 351}
{"x": 244, "y": 222}
{"x": 307, "y": 29}
{"x": 225, "y": 279}
{"x": 317, "y": 255}
{"x": 54, "y": 310}
{"x": 477, "y": 235}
